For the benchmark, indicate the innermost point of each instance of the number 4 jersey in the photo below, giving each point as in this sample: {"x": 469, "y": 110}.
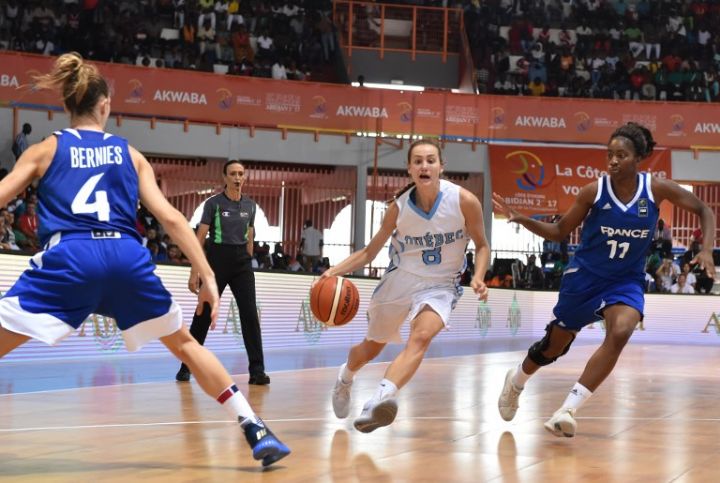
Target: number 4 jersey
{"x": 430, "y": 244}
{"x": 616, "y": 237}
{"x": 90, "y": 185}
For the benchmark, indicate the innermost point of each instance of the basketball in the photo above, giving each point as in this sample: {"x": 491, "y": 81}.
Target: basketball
{"x": 334, "y": 301}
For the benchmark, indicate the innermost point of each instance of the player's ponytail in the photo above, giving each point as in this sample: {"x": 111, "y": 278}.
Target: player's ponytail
{"x": 406, "y": 188}
{"x": 80, "y": 83}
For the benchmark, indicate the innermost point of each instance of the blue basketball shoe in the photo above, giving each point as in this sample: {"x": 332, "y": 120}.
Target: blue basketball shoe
{"x": 265, "y": 445}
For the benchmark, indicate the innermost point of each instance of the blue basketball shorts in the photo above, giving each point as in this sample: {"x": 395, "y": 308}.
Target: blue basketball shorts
{"x": 583, "y": 296}
{"x": 77, "y": 276}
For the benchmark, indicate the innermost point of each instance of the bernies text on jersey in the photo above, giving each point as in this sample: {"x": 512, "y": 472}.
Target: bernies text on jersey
{"x": 93, "y": 157}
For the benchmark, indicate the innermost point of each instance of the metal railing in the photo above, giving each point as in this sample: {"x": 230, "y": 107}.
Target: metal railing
{"x": 398, "y": 28}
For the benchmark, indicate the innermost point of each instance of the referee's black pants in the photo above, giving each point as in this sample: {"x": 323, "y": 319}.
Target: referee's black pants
{"x": 233, "y": 266}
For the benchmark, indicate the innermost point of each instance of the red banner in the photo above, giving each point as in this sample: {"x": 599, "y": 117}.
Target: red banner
{"x": 546, "y": 180}
{"x": 249, "y": 101}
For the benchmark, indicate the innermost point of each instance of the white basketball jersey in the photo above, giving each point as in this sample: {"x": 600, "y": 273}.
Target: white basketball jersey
{"x": 430, "y": 244}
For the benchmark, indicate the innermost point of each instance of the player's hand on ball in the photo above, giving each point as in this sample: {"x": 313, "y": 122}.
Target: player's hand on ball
{"x": 317, "y": 280}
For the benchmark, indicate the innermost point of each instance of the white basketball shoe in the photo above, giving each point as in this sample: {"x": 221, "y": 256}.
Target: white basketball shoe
{"x": 562, "y": 423}
{"x": 376, "y": 414}
{"x": 341, "y": 398}
{"x": 508, "y": 401}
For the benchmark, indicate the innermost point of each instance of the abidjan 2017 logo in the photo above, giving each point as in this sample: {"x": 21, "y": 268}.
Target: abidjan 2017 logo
{"x": 677, "y": 125}
{"x": 136, "y": 92}
{"x": 406, "y": 111}
{"x": 514, "y": 317}
{"x": 529, "y": 168}
{"x": 312, "y": 327}
{"x": 233, "y": 320}
{"x": 483, "y": 318}
{"x": 319, "y": 110}
{"x": 105, "y": 332}
{"x": 497, "y": 118}
{"x": 226, "y": 98}
{"x": 583, "y": 122}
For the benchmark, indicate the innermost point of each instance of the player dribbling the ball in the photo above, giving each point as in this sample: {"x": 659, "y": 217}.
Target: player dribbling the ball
{"x": 431, "y": 222}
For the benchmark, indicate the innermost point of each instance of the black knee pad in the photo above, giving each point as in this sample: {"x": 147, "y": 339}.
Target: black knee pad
{"x": 535, "y": 353}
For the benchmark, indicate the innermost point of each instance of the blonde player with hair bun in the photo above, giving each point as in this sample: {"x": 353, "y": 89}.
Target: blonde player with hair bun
{"x": 93, "y": 261}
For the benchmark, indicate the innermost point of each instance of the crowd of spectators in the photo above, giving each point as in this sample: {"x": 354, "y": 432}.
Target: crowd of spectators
{"x": 263, "y": 259}
{"x": 610, "y": 49}
{"x": 283, "y": 39}
{"x": 19, "y": 222}
{"x": 667, "y": 273}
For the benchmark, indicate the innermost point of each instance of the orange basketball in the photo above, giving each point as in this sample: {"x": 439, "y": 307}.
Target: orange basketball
{"x": 334, "y": 300}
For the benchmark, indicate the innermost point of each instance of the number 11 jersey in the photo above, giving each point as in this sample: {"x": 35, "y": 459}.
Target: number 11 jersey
{"x": 616, "y": 236}
{"x": 90, "y": 185}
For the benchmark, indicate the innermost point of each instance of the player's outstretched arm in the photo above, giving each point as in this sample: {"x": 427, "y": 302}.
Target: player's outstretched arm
{"x": 177, "y": 227}
{"x": 552, "y": 231}
{"x": 473, "y": 214}
{"x": 366, "y": 255}
{"x": 665, "y": 189}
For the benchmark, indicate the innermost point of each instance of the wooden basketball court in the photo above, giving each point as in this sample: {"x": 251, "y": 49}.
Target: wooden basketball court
{"x": 657, "y": 418}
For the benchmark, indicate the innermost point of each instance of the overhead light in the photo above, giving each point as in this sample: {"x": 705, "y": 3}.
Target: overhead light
{"x": 394, "y": 87}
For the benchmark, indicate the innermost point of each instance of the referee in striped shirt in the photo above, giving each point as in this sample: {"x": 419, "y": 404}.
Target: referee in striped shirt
{"x": 229, "y": 219}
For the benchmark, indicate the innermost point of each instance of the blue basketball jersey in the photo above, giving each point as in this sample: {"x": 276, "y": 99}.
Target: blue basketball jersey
{"x": 616, "y": 237}
{"x": 90, "y": 185}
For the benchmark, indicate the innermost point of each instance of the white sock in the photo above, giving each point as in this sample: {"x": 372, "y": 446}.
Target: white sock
{"x": 577, "y": 397}
{"x": 520, "y": 378}
{"x": 346, "y": 375}
{"x": 385, "y": 390}
{"x": 236, "y": 405}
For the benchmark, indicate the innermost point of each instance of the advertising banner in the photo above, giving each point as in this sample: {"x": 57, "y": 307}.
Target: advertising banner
{"x": 546, "y": 180}
{"x": 248, "y": 101}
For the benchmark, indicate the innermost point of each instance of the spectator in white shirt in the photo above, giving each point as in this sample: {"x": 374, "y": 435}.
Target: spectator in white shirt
{"x": 206, "y": 36}
{"x": 667, "y": 273}
{"x": 682, "y": 286}
{"x": 703, "y": 36}
{"x": 689, "y": 276}
{"x": 265, "y": 44}
{"x": 311, "y": 243}
{"x": 279, "y": 71}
